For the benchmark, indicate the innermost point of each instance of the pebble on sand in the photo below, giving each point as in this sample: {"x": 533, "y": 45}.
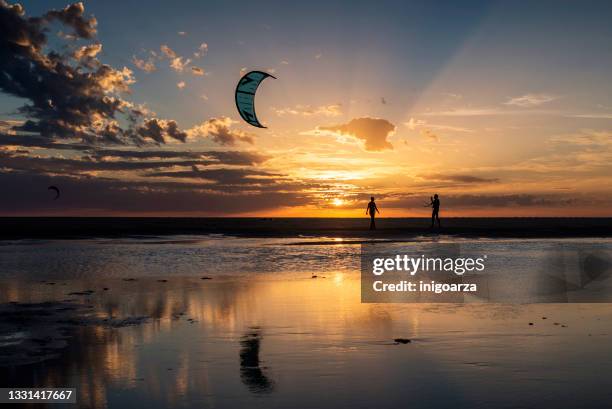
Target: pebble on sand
{"x": 531, "y": 323}
{"x": 129, "y": 279}
{"x": 402, "y": 340}
{"x": 205, "y": 278}
{"x": 162, "y": 281}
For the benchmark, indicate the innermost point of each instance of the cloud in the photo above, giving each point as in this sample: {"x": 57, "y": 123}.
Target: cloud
{"x": 593, "y": 115}
{"x": 426, "y": 129}
{"x": 180, "y": 84}
{"x": 318, "y": 56}
{"x": 493, "y": 201}
{"x": 160, "y": 129}
{"x": 202, "y": 50}
{"x": 53, "y": 165}
{"x": 87, "y": 51}
{"x": 530, "y": 100}
{"x": 372, "y": 131}
{"x": 223, "y": 176}
{"x": 308, "y": 110}
{"x": 90, "y": 196}
{"x": 145, "y": 65}
{"x": 167, "y": 51}
{"x": 72, "y": 16}
{"x": 414, "y": 124}
{"x": 458, "y": 178}
{"x": 197, "y": 71}
{"x": 220, "y": 131}
{"x": 468, "y": 112}
{"x": 182, "y": 33}
{"x": 178, "y": 64}
{"x": 239, "y": 158}
{"x": 65, "y": 98}
{"x": 585, "y": 138}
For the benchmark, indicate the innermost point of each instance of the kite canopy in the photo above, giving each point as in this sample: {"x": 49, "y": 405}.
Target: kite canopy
{"x": 56, "y": 190}
{"x": 245, "y": 96}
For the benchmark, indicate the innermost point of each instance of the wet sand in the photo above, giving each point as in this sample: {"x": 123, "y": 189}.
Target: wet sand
{"x": 301, "y": 343}
{"x": 241, "y": 323}
{"x": 53, "y": 228}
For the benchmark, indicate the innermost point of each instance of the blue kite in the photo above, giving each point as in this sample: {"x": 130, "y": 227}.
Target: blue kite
{"x": 245, "y": 96}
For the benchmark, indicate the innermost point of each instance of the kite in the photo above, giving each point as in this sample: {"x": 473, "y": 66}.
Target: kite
{"x": 245, "y": 96}
{"x": 57, "y": 191}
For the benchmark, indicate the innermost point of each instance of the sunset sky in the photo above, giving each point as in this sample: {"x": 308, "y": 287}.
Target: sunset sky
{"x": 502, "y": 108}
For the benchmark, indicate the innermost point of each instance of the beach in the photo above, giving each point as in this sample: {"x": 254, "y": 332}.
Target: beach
{"x": 221, "y": 321}
{"x": 408, "y": 227}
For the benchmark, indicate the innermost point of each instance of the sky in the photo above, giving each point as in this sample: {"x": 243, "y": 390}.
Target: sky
{"x": 501, "y": 108}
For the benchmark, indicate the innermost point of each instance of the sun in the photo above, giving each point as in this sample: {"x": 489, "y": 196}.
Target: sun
{"x": 338, "y": 202}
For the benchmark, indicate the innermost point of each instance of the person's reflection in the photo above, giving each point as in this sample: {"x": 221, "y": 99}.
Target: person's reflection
{"x": 251, "y": 373}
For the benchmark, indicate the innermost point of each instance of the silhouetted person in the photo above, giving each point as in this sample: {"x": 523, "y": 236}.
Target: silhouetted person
{"x": 435, "y": 210}
{"x": 372, "y": 210}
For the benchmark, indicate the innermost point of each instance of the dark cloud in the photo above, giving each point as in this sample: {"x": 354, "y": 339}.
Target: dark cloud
{"x": 243, "y": 158}
{"x": 225, "y": 157}
{"x": 225, "y": 176}
{"x": 492, "y": 201}
{"x": 37, "y": 141}
{"x": 70, "y": 95}
{"x": 72, "y": 16}
{"x": 96, "y": 196}
{"x": 220, "y": 131}
{"x": 9, "y": 160}
{"x": 373, "y": 131}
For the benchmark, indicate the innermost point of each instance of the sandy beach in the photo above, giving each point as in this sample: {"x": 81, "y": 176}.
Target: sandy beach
{"x": 83, "y": 227}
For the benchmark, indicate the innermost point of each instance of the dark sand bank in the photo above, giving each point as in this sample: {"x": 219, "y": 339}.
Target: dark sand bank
{"x": 66, "y": 228}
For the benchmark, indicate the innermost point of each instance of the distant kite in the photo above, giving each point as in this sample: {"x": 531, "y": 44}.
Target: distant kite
{"x": 56, "y": 190}
{"x": 245, "y": 96}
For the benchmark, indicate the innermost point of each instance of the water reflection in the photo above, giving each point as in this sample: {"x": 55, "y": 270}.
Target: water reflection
{"x": 251, "y": 372}
{"x": 303, "y": 343}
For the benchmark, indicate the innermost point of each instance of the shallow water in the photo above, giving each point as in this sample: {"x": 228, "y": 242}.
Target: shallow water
{"x": 263, "y": 333}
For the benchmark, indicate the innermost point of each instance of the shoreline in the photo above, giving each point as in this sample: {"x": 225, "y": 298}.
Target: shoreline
{"x": 16, "y": 228}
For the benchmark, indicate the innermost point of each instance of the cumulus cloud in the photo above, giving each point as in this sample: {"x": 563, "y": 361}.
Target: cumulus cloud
{"x": 72, "y": 16}
{"x": 145, "y": 65}
{"x": 220, "y": 131}
{"x": 308, "y": 110}
{"x": 530, "y": 100}
{"x": 160, "y": 129}
{"x": 65, "y": 98}
{"x": 372, "y": 131}
{"x": 87, "y": 51}
{"x": 180, "y": 84}
{"x": 178, "y": 64}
